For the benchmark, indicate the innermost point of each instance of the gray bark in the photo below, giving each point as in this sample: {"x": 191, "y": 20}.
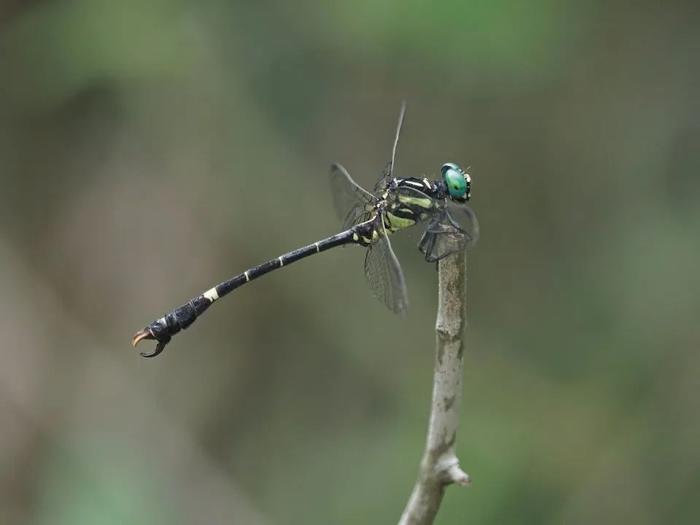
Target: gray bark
{"x": 440, "y": 466}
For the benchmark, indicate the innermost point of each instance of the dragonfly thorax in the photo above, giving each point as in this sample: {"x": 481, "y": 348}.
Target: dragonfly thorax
{"x": 404, "y": 203}
{"x": 409, "y": 201}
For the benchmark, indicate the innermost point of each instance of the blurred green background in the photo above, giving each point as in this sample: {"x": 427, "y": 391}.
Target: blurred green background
{"x": 151, "y": 149}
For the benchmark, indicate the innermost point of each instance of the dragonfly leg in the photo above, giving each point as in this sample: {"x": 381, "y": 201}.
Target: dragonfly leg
{"x": 441, "y": 238}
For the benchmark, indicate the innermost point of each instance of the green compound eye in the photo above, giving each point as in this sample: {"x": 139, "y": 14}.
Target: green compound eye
{"x": 457, "y": 181}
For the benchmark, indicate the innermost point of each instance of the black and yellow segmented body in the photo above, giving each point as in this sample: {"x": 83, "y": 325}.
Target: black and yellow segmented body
{"x": 183, "y": 316}
{"x": 368, "y": 219}
{"x": 400, "y": 207}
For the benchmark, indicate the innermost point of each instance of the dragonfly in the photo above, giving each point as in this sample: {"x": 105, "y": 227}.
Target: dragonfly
{"x": 368, "y": 218}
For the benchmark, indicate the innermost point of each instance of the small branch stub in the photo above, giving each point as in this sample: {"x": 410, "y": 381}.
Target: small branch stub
{"x": 440, "y": 465}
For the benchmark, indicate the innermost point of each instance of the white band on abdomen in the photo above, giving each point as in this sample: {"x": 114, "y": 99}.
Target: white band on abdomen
{"x": 212, "y": 294}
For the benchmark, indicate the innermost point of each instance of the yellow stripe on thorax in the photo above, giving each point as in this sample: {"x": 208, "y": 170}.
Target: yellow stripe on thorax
{"x": 398, "y": 223}
{"x": 416, "y": 201}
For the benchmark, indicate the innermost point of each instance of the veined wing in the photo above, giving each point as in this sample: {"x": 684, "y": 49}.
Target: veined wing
{"x": 384, "y": 274}
{"x": 388, "y": 172}
{"x": 351, "y": 201}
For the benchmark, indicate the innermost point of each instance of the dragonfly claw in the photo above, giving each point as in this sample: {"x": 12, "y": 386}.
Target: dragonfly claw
{"x": 147, "y": 334}
{"x": 140, "y": 336}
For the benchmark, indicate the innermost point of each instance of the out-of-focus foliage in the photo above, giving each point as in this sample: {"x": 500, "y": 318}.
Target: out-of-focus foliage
{"x": 151, "y": 149}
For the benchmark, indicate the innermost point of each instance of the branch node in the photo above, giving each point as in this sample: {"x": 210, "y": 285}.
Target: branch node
{"x": 458, "y": 476}
{"x": 448, "y": 470}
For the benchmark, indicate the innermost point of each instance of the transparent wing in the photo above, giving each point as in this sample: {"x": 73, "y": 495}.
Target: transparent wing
{"x": 446, "y": 235}
{"x": 402, "y": 114}
{"x": 388, "y": 172}
{"x": 351, "y": 201}
{"x": 385, "y": 276}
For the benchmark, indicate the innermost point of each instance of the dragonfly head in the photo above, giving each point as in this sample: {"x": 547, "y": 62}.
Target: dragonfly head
{"x": 457, "y": 181}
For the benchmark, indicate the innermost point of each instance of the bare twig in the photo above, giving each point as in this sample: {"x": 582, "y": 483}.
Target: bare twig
{"x": 440, "y": 466}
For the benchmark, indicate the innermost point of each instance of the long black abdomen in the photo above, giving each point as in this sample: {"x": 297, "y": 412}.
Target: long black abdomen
{"x": 162, "y": 330}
